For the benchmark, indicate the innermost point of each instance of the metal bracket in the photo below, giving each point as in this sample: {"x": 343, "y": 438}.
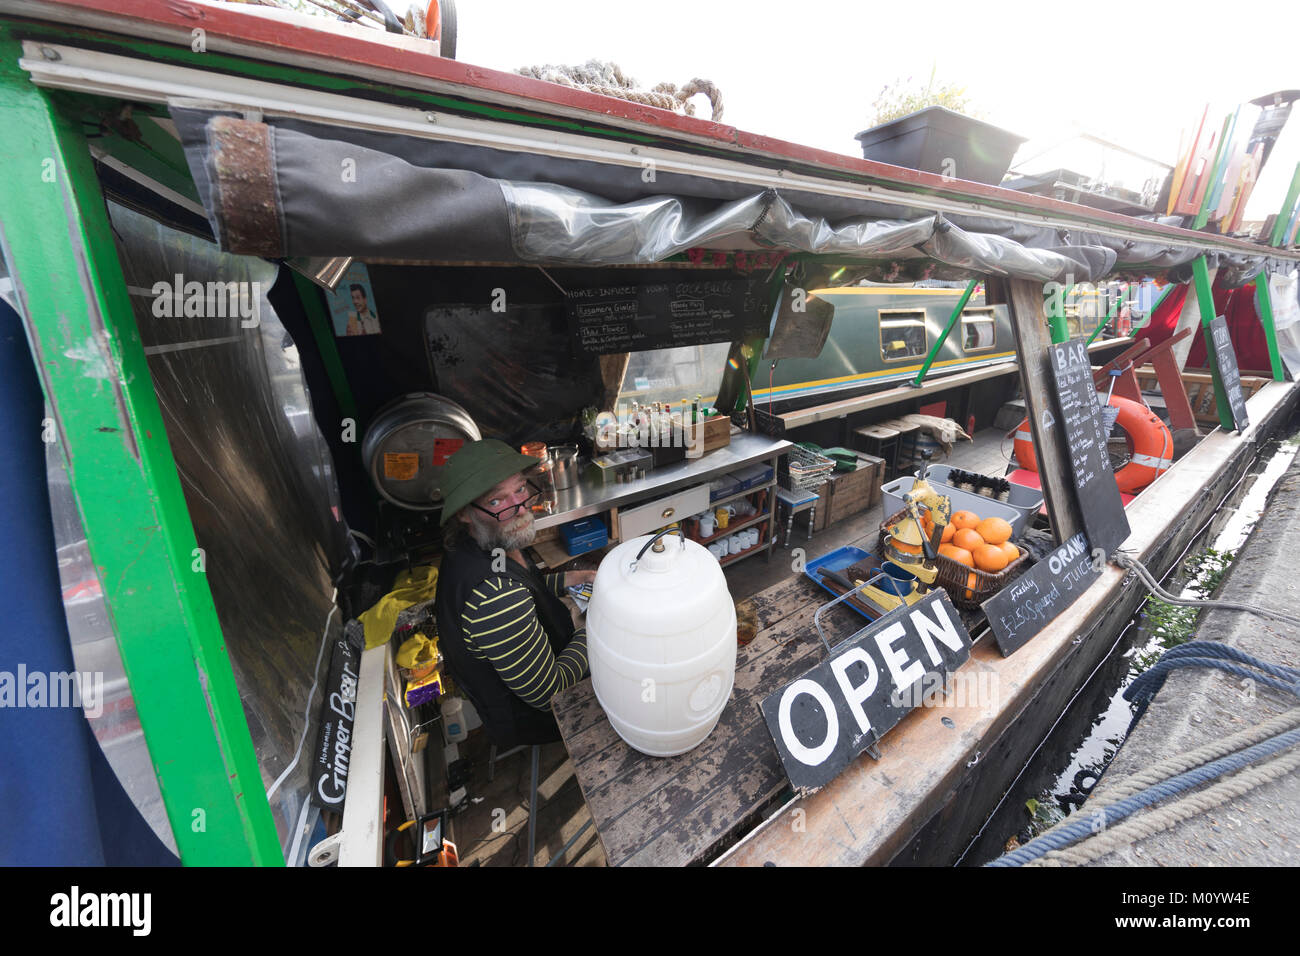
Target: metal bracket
{"x": 326, "y": 851}
{"x": 817, "y": 617}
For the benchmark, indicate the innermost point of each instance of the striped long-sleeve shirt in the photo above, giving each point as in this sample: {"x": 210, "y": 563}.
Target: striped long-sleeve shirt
{"x": 501, "y": 626}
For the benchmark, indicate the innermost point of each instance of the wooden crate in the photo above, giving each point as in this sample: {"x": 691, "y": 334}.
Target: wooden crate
{"x": 1200, "y": 391}
{"x": 852, "y": 492}
{"x": 717, "y": 432}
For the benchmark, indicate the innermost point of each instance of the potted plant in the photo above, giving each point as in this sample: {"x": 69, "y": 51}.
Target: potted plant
{"x": 928, "y": 130}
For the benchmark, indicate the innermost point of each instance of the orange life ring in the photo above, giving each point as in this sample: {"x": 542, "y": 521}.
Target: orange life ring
{"x": 1151, "y": 446}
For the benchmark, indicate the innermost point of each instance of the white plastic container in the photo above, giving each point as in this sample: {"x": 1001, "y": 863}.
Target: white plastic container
{"x": 453, "y": 720}
{"x": 661, "y": 640}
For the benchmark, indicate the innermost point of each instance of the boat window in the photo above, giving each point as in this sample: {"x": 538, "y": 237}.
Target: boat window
{"x": 902, "y": 334}
{"x": 978, "y": 329}
{"x": 669, "y": 375}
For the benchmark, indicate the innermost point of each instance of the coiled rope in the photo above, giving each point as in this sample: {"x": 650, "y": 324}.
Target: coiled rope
{"x": 607, "y": 79}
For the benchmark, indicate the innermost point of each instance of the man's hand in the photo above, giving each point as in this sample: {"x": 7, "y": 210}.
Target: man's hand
{"x": 574, "y": 578}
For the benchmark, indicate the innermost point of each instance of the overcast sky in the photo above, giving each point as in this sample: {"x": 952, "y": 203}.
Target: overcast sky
{"x": 1132, "y": 72}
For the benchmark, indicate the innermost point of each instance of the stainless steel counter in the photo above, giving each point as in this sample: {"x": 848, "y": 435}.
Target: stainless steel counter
{"x": 588, "y": 498}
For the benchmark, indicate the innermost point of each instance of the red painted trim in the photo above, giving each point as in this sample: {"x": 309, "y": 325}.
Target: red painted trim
{"x": 231, "y": 22}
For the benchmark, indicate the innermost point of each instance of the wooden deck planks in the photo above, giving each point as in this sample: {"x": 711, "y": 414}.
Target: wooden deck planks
{"x": 673, "y": 810}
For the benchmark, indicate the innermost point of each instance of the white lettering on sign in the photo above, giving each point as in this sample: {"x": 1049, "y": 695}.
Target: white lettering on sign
{"x": 941, "y": 628}
{"x": 856, "y": 695}
{"x": 1072, "y": 549}
{"x": 812, "y": 756}
{"x": 902, "y": 672}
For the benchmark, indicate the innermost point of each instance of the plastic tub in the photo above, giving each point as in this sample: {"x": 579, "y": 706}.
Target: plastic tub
{"x": 892, "y": 501}
{"x": 1023, "y": 498}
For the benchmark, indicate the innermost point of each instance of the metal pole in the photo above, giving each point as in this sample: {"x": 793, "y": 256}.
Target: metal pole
{"x": 1110, "y": 315}
{"x": 952, "y": 321}
{"x": 1264, "y": 307}
{"x": 58, "y": 241}
{"x": 1057, "y": 323}
{"x": 1146, "y": 320}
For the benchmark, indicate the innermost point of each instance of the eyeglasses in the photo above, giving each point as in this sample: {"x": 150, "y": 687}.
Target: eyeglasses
{"x": 525, "y": 505}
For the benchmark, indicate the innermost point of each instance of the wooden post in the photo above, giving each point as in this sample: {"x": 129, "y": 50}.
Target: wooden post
{"x": 1264, "y": 308}
{"x": 1202, "y": 283}
{"x": 1029, "y": 324}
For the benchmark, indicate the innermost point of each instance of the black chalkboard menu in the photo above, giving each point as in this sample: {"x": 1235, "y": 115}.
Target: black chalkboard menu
{"x": 1229, "y": 375}
{"x": 1027, "y": 604}
{"x": 1100, "y": 505}
{"x": 657, "y": 315}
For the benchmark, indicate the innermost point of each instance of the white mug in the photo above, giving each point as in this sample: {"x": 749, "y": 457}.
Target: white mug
{"x": 706, "y": 526}
{"x": 736, "y": 543}
{"x": 716, "y": 551}
{"x": 723, "y": 544}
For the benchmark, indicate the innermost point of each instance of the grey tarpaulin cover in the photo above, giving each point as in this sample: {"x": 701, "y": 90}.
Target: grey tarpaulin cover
{"x": 292, "y": 188}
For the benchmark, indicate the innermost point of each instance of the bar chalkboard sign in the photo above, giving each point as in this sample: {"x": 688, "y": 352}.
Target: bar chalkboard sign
{"x": 1100, "y": 505}
{"x": 1226, "y": 357}
{"x": 1030, "y": 602}
{"x": 839, "y": 708}
{"x": 658, "y": 315}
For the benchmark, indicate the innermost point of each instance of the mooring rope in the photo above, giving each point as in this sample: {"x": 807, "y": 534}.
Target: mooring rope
{"x": 608, "y": 79}
{"x": 1181, "y": 772}
{"x": 1109, "y": 841}
{"x": 1133, "y": 564}
{"x": 1074, "y": 830}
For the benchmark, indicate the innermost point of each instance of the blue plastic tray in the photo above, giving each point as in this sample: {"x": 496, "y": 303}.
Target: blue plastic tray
{"x": 836, "y": 560}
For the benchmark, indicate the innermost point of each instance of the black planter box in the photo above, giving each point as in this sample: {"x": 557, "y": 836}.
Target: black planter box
{"x": 923, "y": 140}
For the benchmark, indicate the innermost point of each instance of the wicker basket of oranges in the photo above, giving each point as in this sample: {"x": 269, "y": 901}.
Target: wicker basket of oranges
{"x": 976, "y": 556}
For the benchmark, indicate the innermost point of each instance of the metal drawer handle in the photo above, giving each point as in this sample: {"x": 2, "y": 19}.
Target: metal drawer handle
{"x": 669, "y": 512}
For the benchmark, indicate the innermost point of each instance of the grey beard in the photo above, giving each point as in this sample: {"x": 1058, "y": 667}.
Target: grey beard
{"x": 490, "y": 536}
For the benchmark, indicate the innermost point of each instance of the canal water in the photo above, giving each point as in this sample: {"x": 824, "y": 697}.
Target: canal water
{"x": 1076, "y": 750}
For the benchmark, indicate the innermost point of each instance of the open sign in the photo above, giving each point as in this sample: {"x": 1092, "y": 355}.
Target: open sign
{"x": 843, "y": 705}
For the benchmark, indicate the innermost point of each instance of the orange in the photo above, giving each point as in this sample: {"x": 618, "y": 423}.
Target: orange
{"x": 968, "y": 538}
{"x": 994, "y": 530}
{"x": 948, "y": 531}
{"x": 971, "y": 582}
{"x": 1010, "y": 550}
{"x": 954, "y": 553}
{"x": 989, "y": 557}
{"x": 965, "y": 519}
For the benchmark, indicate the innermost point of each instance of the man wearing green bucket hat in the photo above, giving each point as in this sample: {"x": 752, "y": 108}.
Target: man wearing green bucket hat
{"x": 509, "y": 640}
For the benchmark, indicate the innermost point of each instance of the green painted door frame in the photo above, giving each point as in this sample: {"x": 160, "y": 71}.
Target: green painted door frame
{"x": 952, "y": 321}
{"x": 1205, "y": 302}
{"x": 58, "y": 242}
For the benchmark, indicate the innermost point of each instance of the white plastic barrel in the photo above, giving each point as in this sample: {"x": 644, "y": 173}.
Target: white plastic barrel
{"x": 661, "y": 641}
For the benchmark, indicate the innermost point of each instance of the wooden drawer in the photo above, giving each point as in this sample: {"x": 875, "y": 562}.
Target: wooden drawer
{"x": 643, "y": 519}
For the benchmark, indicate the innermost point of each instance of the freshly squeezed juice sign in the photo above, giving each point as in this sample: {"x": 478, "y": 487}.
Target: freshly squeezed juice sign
{"x": 841, "y": 707}
{"x": 1030, "y": 602}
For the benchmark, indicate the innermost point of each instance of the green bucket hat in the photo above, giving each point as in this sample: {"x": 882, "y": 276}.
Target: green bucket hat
{"x": 475, "y": 470}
